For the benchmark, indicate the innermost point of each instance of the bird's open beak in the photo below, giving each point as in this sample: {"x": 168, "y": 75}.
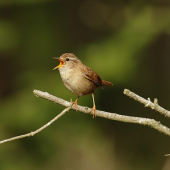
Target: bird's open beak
{"x": 61, "y": 62}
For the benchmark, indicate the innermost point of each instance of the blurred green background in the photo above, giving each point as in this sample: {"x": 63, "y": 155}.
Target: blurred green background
{"x": 125, "y": 42}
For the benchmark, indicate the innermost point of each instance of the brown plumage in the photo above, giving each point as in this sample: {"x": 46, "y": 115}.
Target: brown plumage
{"x": 106, "y": 83}
{"x": 78, "y": 78}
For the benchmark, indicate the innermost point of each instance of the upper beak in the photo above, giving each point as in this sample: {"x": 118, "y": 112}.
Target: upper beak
{"x": 61, "y": 62}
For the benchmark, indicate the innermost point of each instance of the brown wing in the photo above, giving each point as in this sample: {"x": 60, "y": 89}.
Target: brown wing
{"x": 92, "y": 76}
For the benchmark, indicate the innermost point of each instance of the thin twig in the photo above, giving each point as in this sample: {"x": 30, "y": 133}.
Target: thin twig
{"x": 112, "y": 116}
{"x": 167, "y": 154}
{"x": 38, "y": 130}
{"x": 148, "y": 103}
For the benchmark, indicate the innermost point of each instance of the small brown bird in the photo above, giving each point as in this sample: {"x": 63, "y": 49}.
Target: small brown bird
{"x": 78, "y": 78}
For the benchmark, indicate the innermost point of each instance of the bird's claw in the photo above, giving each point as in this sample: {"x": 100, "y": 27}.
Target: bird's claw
{"x": 76, "y": 106}
{"x": 94, "y": 111}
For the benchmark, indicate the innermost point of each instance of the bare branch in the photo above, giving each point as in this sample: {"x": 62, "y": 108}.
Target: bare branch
{"x": 167, "y": 154}
{"x": 148, "y": 103}
{"x": 38, "y": 130}
{"x": 112, "y": 116}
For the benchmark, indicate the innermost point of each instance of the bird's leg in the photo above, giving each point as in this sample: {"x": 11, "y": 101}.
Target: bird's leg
{"x": 75, "y": 103}
{"x": 94, "y": 107}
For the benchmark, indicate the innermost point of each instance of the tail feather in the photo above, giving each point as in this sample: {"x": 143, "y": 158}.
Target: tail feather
{"x": 106, "y": 83}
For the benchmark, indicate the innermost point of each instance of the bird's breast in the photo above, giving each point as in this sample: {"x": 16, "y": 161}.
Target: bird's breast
{"x": 76, "y": 82}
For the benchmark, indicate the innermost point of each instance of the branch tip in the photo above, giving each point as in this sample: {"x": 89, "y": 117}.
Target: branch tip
{"x": 149, "y": 101}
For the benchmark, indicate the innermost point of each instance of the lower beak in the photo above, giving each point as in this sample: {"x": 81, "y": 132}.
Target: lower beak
{"x": 61, "y": 62}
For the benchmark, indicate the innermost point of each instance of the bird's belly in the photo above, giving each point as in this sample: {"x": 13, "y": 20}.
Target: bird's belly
{"x": 78, "y": 85}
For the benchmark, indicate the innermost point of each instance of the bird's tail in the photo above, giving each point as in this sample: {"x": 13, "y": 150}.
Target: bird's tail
{"x": 106, "y": 83}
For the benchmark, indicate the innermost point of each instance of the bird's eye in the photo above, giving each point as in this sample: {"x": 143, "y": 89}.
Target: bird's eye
{"x": 67, "y": 59}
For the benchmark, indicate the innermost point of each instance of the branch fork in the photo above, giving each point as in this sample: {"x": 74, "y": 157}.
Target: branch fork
{"x": 112, "y": 116}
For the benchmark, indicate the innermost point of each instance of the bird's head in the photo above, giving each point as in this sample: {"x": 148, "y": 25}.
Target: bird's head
{"x": 67, "y": 60}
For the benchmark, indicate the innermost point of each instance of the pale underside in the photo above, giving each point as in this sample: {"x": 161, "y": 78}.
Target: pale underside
{"x": 73, "y": 81}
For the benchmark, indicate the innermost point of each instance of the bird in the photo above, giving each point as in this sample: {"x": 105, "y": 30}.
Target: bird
{"x": 78, "y": 78}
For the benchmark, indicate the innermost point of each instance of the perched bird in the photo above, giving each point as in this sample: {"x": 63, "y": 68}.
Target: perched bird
{"x": 78, "y": 78}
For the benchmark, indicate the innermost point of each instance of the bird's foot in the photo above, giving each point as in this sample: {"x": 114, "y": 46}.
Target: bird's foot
{"x": 75, "y": 103}
{"x": 94, "y": 111}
